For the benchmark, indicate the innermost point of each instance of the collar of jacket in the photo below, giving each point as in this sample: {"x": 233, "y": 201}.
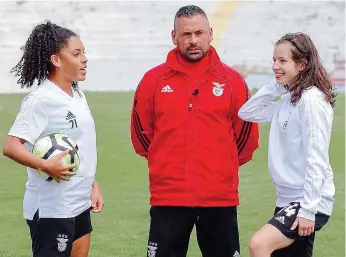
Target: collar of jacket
{"x": 172, "y": 60}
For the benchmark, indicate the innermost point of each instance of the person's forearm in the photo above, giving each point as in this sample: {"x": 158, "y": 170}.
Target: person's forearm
{"x": 96, "y": 184}
{"x": 15, "y": 150}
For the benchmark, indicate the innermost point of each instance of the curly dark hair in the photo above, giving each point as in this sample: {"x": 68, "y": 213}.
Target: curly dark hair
{"x": 314, "y": 74}
{"x": 45, "y": 40}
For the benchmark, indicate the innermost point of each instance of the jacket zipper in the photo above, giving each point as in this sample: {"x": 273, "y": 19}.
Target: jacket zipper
{"x": 187, "y": 81}
{"x": 190, "y": 95}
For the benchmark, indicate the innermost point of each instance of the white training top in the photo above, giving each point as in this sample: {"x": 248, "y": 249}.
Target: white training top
{"x": 48, "y": 110}
{"x": 299, "y": 140}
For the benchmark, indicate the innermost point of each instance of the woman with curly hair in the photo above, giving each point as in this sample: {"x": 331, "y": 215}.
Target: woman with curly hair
{"x": 58, "y": 214}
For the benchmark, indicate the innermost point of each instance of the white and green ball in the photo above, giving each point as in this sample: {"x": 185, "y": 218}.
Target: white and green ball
{"x": 53, "y": 144}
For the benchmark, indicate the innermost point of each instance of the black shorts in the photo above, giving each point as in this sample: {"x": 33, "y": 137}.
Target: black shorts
{"x": 216, "y": 227}
{"x": 55, "y": 236}
{"x": 283, "y": 220}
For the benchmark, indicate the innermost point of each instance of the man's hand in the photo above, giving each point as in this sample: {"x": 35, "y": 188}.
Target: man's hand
{"x": 305, "y": 227}
{"x": 97, "y": 202}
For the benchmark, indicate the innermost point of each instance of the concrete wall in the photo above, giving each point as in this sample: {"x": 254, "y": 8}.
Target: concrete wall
{"x": 125, "y": 38}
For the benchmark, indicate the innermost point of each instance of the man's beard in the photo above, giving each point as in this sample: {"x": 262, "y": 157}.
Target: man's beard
{"x": 189, "y": 59}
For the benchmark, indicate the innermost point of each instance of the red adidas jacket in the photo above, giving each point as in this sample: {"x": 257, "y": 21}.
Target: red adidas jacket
{"x": 189, "y": 130}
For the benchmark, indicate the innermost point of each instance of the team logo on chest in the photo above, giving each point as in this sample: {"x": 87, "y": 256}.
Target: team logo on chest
{"x": 72, "y": 119}
{"x": 217, "y": 89}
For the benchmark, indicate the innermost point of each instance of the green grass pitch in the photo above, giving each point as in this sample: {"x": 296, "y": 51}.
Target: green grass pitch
{"x": 121, "y": 229}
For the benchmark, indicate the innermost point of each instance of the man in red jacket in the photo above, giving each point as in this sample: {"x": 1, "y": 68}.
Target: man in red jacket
{"x": 185, "y": 122}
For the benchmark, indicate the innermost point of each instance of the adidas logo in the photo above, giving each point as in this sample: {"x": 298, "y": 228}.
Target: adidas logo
{"x": 70, "y": 116}
{"x": 236, "y": 254}
{"x": 281, "y": 219}
{"x": 167, "y": 89}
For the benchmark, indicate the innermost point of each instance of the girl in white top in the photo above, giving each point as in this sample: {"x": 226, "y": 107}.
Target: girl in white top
{"x": 54, "y": 56}
{"x": 298, "y": 159}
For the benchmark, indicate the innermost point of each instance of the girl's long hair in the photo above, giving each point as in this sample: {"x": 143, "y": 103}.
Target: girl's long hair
{"x": 314, "y": 74}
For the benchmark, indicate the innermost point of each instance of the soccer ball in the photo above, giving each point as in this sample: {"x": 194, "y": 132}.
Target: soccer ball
{"x": 53, "y": 144}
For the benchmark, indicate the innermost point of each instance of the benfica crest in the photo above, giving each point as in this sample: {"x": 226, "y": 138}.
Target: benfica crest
{"x": 217, "y": 89}
{"x": 152, "y": 247}
{"x": 62, "y": 242}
